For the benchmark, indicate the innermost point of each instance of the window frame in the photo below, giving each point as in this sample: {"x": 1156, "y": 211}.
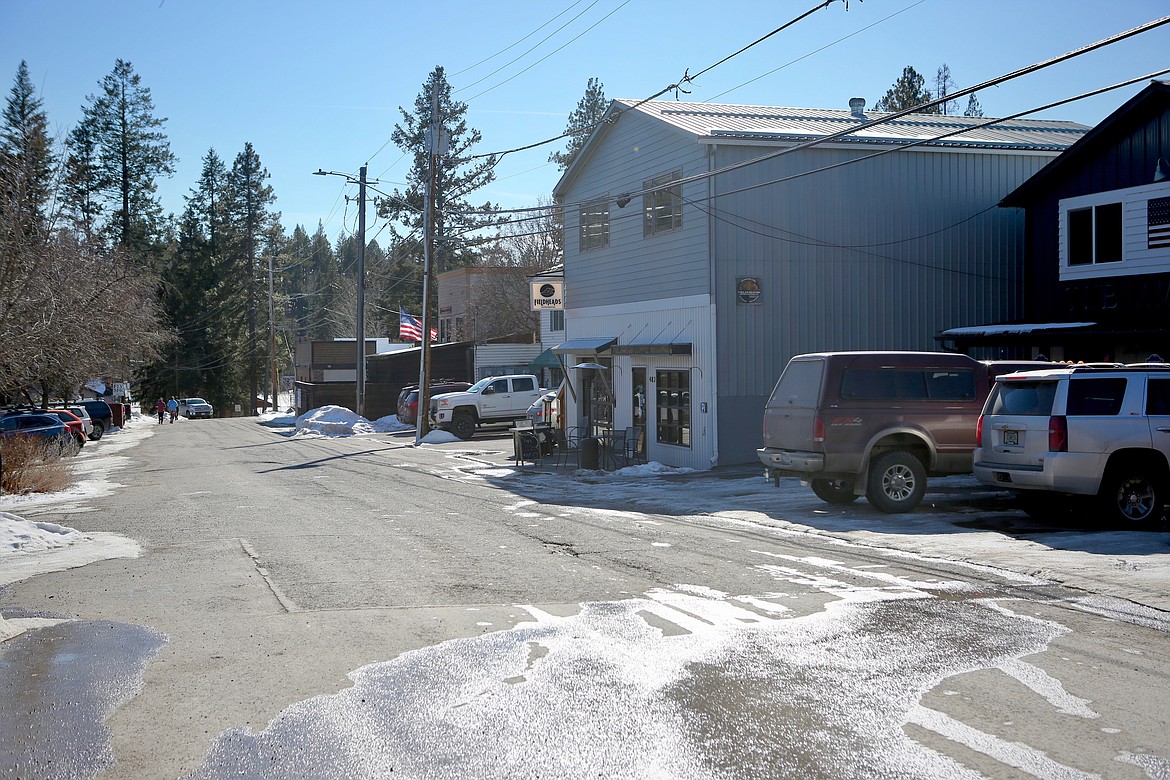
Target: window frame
{"x": 593, "y": 225}
{"x": 676, "y": 430}
{"x": 662, "y": 196}
{"x": 1112, "y": 231}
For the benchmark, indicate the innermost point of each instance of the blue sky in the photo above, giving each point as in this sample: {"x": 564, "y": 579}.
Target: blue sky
{"x": 318, "y": 85}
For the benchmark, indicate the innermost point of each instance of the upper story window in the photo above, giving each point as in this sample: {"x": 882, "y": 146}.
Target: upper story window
{"x": 662, "y": 207}
{"x": 556, "y": 320}
{"x": 1095, "y": 235}
{"x": 594, "y": 221}
{"x": 1115, "y": 233}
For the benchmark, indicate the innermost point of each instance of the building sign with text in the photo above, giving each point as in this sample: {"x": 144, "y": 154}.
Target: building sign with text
{"x": 548, "y": 295}
{"x": 747, "y": 289}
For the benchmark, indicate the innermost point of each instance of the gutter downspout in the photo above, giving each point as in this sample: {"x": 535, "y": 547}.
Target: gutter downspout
{"x": 713, "y": 307}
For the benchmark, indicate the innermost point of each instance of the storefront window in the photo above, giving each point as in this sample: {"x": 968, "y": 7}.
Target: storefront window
{"x": 674, "y": 407}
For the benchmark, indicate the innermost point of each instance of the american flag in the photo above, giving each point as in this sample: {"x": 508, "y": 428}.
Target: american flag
{"x": 1158, "y": 223}
{"x": 410, "y": 328}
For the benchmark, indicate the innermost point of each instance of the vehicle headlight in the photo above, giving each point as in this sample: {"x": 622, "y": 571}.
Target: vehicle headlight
{"x": 443, "y": 403}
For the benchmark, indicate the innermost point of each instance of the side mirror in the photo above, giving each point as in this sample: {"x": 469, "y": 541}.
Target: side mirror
{"x": 488, "y": 391}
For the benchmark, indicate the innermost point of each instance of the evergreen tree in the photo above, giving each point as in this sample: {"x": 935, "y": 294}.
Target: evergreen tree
{"x": 586, "y": 116}
{"x": 973, "y": 107}
{"x": 131, "y": 153}
{"x": 907, "y": 92}
{"x": 456, "y": 178}
{"x": 248, "y": 201}
{"x": 26, "y": 155}
{"x": 82, "y": 185}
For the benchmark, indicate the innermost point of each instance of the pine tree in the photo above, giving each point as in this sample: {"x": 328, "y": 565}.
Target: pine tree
{"x": 131, "y": 152}
{"x": 586, "y": 116}
{"x": 907, "y": 92}
{"x": 248, "y": 214}
{"x": 973, "y": 107}
{"x": 26, "y": 156}
{"x": 81, "y": 189}
{"x": 457, "y": 177}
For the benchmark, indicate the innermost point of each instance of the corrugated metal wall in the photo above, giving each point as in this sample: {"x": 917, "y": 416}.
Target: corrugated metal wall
{"x": 498, "y": 359}
{"x": 881, "y": 254}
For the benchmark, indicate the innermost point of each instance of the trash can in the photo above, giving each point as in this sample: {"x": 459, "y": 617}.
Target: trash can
{"x": 589, "y": 452}
{"x": 116, "y": 415}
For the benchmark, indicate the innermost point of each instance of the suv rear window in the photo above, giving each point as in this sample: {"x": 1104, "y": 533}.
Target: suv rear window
{"x": 1095, "y": 397}
{"x": 1022, "y": 398}
{"x": 799, "y": 385}
{"x": 1158, "y": 397}
{"x": 902, "y": 384}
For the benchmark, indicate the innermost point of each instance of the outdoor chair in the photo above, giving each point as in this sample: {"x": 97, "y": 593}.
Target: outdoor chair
{"x": 567, "y": 444}
{"x": 635, "y": 444}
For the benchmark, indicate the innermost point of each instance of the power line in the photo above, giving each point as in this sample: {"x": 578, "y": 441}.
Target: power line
{"x": 517, "y": 43}
{"x": 551, "y": 53}
{"x": 537, "y": 45}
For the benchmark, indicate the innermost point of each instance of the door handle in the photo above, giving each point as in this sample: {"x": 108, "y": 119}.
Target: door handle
{"x": 1163, "y": 429}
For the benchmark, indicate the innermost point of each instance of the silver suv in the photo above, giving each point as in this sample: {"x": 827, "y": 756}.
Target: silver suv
{"x": 1101, "y": 432}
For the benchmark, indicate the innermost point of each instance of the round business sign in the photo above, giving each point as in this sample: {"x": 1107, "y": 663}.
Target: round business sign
{"x": 747, "y": 289}
{"x": 547, "y": 291}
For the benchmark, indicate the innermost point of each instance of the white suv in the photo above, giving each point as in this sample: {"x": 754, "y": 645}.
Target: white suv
{"x": 1097, "y": 431}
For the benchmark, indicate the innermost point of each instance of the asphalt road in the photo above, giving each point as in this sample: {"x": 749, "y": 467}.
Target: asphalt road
{"x": 361, "y": 608}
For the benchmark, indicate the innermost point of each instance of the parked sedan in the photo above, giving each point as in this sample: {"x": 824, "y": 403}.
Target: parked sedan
{"x": 83, "y": 415}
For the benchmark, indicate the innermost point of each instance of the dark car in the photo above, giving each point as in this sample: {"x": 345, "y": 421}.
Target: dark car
{"x": 100, "y": 413}
{"x": 40, "y": 425}
{"x": 408, "y": 398}
{"x": 877, "y": 423}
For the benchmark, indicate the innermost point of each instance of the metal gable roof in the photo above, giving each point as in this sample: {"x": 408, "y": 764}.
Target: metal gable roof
{"x": 713, "y": 122}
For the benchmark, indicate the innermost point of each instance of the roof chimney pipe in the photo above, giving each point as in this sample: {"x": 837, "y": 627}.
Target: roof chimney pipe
{"x": 857, "y": 107}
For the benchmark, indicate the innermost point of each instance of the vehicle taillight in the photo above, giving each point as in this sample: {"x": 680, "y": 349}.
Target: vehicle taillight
{"x": 1058, "y": 433}
{"x": 979, "y": 433}
{"x": 818, "y": 428}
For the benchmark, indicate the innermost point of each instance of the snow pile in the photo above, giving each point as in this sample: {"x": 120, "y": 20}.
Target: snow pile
{"x": 334, "y": 421}
{"x": 20, "y": 535}
{"x": 278, "y": 419}
{"x": 651, "y": 469}
{"x": 440, "y": 437}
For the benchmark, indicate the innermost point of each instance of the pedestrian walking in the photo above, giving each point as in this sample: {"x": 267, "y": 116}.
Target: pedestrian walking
{"x": 173, "y": 409}
{"x": 160, "y": 408}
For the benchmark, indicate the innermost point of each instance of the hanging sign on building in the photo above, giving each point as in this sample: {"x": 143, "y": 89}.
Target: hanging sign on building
{"x": 747, "y": 289}
{"x": 548, "y": 295}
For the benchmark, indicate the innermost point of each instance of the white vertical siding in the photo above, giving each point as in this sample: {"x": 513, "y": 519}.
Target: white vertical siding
{"x": 681, "y": 320}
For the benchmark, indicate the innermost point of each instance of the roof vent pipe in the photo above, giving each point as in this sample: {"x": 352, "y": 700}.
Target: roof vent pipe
{"x": 857, "y": 107}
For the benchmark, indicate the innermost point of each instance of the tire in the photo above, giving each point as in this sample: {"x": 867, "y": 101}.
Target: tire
{"x": 834, "y": 491}
{"x": 99, "y": 429}
{"x": 897, "y": 482}
{"x": 1132, "y": 496}
{"x": 463, "y": 425}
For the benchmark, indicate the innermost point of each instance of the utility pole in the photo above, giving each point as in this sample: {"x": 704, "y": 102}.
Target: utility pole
{"x": 361, "y": 296}
{"x": 436, "y": 146}
{"x": 360, "y": 378}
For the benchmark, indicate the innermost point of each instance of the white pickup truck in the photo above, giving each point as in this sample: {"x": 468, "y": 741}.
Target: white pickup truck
{"x": 494, "y": 399}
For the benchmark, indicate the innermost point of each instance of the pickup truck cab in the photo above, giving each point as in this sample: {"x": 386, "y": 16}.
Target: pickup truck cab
{"x": 493, "y": 399}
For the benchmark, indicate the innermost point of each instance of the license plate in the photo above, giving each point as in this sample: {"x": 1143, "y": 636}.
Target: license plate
{"x": 1011, "y": 438}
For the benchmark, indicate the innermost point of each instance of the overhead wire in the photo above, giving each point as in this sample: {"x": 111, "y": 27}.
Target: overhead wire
{"x": 517, "y": 43}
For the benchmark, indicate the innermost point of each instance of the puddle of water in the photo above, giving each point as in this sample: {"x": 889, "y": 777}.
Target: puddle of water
{"x": 59, "y": 685}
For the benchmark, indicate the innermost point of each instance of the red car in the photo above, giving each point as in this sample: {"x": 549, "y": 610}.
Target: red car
{"x": 75, "y": 426}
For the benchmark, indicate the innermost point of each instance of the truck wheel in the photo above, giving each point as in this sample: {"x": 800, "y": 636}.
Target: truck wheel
{"x": 897, "y": 482}
{"x": 834, "y": 491}
{"x": 1130, "y": 494}
{"x": 98, "y": 429}
{"x": 463, "y": 425}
